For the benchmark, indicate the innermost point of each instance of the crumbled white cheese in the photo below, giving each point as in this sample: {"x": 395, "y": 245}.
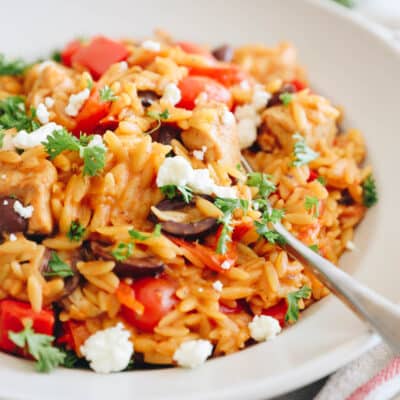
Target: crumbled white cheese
{"x": 42, "y": 114}
{"x": 247, "y": 132}
{"x": 226, "y": 265}
{"x": 193, "y": 353}
{"x": 199, "y": 154}
{"x": 5, "y": 203}
{"x": 178, "y": 171}
{"x": 350, "y": 245}
{"x": 201, "y": 98}
{"x": 228, "y": 118}
{"x": 12, "y": 237}
{"x": 244, "y": 85}
{"x": 151, "y": 45}
{"x": 97, "y": 141}
{"x": 108, "y": 350}
{"x": 217, "y": 285}
{"x": 264, "y": 327}
{"x": 76, "y": 102}
{"x": 24, "y": 140}
{"x": 123, "y": 66}
{"x": 49, "y": 102}
{"x": 260, "y": 98}
{"x": 172, "y": 94}
{"x": 24, "y": 212}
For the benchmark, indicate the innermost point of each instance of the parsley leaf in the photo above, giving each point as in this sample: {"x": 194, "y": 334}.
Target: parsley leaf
{"x": 370, "y": 193}
{"x": 312, "y": 203}
{"x": 314, "y": 247}
{"x": 89, "y": 83}
{"x": 123, "y": 251}
{"x": 271, "y": 235}
{"x": 57, "y": 267}
{"x": 71, "y": 359}
{"x": 292, "y": 313}
{"x": 2, "y": 135}
{"x": 56, "y": 56}
{"x": 302, "y": 154}
{"x": 94, "y": 159}
{"x": 139, "y": 236}
{"x": 239, "y": 167}
{"x": 286, "y": 98}
{"x": 262, "y": 182}
{"x": 172, "y": 191}
{"x": 158, "y": 117}
{"x": 106, "y": 94}
{"x": 15, "y": 68}
{"x": 76, "y": 231}
{"x": 321, "y": 180}
{"x": 39, "y": 346}
{"x": 59, "y": 141}
{"x": 13, "y": 115}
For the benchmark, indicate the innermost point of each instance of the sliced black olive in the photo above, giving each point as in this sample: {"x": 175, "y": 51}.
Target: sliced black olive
{"x": 165, "y": 134}
{"x": 223, "y": 53}
{"x": 275, "y": 99}
{"x": 147, "y": 97}
{"x": 10, "y": 220}
{"x": 133, "y": 267}
{"x": 345, "y": 198}
{"x": 189, "y": 230}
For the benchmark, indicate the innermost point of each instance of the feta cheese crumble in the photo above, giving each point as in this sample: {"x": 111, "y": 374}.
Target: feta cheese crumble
{"x": 12, "y": 237}
{"x": 24, "y": 140}
{"x": 123, "y": 66}
{"x": 350, "y": 245}
{"x": 151, "y": 45}
{"x": 172, "y": 94}
{"x": 108, "y": 350}
{"x": 217, "y": 285}
{"x": 199, "y": 154}
{"x": 193, "y": 353}
{"x": 24, "y": 212}
{"x": 5, "y": 203}
{"x": 228, "y": 118}
{"x": 42, "y": 114}
{"x": 226, "y": 265}
{"x": 76, "y": 102}
{"x": 49, "y": 102}
{"x": 264, "y": 327}
{"x": 179, "y": 172}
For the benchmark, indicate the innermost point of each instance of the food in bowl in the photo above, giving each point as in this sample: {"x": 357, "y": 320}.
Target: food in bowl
{"x": 132, "y": 236}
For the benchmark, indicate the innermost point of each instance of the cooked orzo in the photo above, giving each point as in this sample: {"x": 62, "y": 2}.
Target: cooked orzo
{"x": 131, "y": 234}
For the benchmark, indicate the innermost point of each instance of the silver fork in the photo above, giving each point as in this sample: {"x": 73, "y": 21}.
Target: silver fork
{"x": 381, "y": 314}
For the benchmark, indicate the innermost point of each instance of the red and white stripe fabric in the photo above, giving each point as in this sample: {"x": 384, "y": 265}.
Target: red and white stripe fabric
{"x": 374, "y": 376}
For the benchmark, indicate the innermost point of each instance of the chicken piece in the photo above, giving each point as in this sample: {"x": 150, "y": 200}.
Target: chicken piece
{"x": 213, "y": 128}
{"x": 33, "y": 187}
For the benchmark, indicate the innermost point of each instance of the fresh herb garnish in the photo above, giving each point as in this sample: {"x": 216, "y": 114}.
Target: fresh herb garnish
{"x": 71, "y": 359}
{"x": 140, "y": 236}
{"x": 94, "y": 159}
{"x": 39, "y": 347}
{"x": 59, "y": 141}
{"x": 262, "y": 182}
{"x": 292, "y": 313}
{"x": 271, "y": 235}
{"x": 106, "y": 94}
{"x": 312, "y": 203}
{"x": 89, "y": 83}
{"x": 123, "y": 251}
{"x": 302, "y": 154}
{"x": 321, "y": 180}
{"x": 286, "y": 98}
{"x": 13, "y": 115}
{"x": 239, "y": 167}
{"x": 314, "y": 247}
{"x": 56, "y": 56}
{"x": 172, "y": 191}
{"x": 158, "y": 117}
{"x": 76, "y": 231}
{"x": 2, "y": 136}
{"x": 57, "y": 267}
{"x": 370, "y": 193}
{"x": 346, "y": 3}
{"x": 15, "y": 67}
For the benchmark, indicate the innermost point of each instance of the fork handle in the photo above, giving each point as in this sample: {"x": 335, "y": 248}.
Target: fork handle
{"x": 381, "y": 314}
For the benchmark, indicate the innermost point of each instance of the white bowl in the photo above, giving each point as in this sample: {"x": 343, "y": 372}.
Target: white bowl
{"x": 353, "y": 63}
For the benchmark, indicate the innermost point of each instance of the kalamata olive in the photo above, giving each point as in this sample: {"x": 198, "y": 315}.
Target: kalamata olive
{"x": 10, "y": 220}
{"x": 275, "y": 99}
{"x": 132, "y": 267}
{"x": 223, "y": 53}
{"x": 188, "y": 230}
{"x": 345, "y": 198}
{"x": 147, "y": 97}
{"x": 165, "y": 133}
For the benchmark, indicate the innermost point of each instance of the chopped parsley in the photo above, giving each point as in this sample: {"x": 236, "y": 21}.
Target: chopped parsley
{"x": 292, "y": 313}
{"x": 239, "y": 167}
{"x": 2, "y": 135}
{"x": 56, "y": 56}
{"x": 71, "y": 359}
{"x": 302, "y": 154}
{"x": 39, "y": 347}
{"x": 314, "y": 247}
{"x": 271, "y": 235}
{"x": 106, "y": 94}
{"x": 321, "y": 180}
{"x": 140, "y": 236}
{"x": 59, "y": 141}
{"x": 89, "y": 83}
{"x": 172, "y": 191}
{"x": 370, "y": 193}
{"x": 123, "y": 251}
{"x": 15, "y": 67}
{"x": 164, "y": 115}
{"x": 262, "y": 182}
{"x": 76, "y": 232}
{"x": 94, "y": 159}
{"x": 312, "y": 203}
{"x": 227, "y": 206}
{"x": 57, "y": 267}
{"x": 286, "y": 98}
{"x": 13, "y": 115}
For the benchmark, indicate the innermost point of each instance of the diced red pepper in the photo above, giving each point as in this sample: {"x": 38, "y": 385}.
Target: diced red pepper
{"x": 93, "y": 111}
{"x": 192, "y": 86}
{"x": 231, "y": 310}
{"x": 75, "y": 335}
{"x": 99, "y": 54}
{"x": 241, "y": 229}
{"x": 70, "y": 49}
{"x": 298, "y": 85}
{"x": 13, "y": 313}
{"x": 313, "y": 176}
{"x": 227, "y": 75}
{"x": 278, "y": 311}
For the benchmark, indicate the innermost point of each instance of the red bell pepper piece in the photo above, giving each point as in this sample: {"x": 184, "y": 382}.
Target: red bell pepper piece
{"x": 13, "y": 313}
{"x": 99, "y": 54}
{"x": 278, "y": 311}
{"x": 192, "y": 86}
{"x": 70, "y": 49}
{"x": 313, "y": 176}
{"x": 241, "y": 229}
{"x": 298, "y": 85}
{"x": 75, "y": 335}
{"x": 226, "y": 74}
